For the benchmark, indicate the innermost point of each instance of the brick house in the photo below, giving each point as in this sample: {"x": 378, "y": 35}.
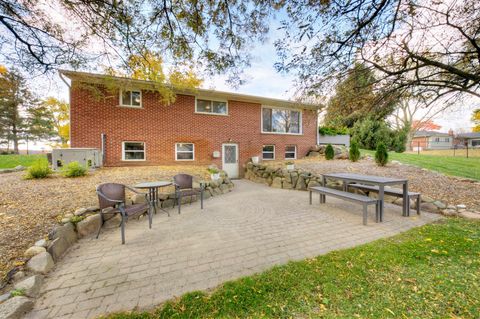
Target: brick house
{"x": 432, "y": 140}
{"x": 133, "y": 127}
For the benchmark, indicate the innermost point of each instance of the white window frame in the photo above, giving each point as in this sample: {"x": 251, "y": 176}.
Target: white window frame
{"x": 134, "y": 151}
{"x": 273, "y": 152}
{"x": 294, "y": 152}
{"x": 183, "y": 160}
{"x": 281, "y": 108}
{"x": 211, "y": 100}
{"x": 130, "y": 105}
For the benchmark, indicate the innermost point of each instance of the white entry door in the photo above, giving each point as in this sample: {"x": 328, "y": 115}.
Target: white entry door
{"x": 230, "y": 159}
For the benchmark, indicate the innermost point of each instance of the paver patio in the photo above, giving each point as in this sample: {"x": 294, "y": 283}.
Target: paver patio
{"x": 237, "y": 234}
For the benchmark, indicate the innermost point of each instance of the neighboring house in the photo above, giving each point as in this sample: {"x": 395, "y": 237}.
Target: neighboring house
{"x": 132, "y": 127}
{"x": 432, "y": 140}
{"x": 470, "y": 139}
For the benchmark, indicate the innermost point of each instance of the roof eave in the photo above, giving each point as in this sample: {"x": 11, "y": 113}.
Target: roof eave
{"x": 142, "y": 84}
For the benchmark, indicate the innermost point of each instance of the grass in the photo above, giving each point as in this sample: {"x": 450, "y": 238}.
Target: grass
{"x": 429, "y": 272}
{"x": 11, "y": 161}
{"x": 448, "y": 165}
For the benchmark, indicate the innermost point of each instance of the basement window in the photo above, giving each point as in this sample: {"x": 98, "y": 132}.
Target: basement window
{"x": 184, "y": 151}
{"x": 290, "y": 152}
{"x": 131, "y": 98}
{"x": 268, "y": 152}
{"x": 133, "y": 151}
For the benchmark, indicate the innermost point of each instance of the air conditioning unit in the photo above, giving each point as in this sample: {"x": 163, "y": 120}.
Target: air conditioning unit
{"x": 90, "y": 157}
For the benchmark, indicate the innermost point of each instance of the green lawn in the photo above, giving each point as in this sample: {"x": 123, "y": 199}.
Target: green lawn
{"x": 429, "y": 272}
{"x": 11, "y": 161}
{"x": 448, "y": 165}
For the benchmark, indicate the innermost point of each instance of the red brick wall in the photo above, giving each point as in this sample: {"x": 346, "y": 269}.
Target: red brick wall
{"x": 419, "y": 141}
{"x": 160, "y": 127}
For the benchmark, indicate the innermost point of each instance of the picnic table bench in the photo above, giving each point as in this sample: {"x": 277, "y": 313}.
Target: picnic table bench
{"x": 364, "y": 200}
{"x": 391, "y": 192}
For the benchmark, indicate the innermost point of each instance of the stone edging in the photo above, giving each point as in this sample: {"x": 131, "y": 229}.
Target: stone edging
{"x": 18, "y": 168}
{"x": 301, "y": 180}
{"x": 84, "y": 222}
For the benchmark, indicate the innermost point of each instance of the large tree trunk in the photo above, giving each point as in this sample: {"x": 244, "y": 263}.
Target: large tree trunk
{"x": 15, "y": 139}
{"x": 409, "y": 139}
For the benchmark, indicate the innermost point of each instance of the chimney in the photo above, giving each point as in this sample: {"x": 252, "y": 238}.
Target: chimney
{"x": 450, "y": 132}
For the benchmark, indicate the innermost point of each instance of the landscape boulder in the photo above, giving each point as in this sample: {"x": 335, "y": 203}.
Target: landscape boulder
{"x": 89, "y": 225}
{"x": 58, "y": 247}
{"x": 439, "y": 204}
{"x": 139, "y": 199}
{"x": 34, "y": 250}
{"x": 224, "y": 188}
{"x": 67, "y": 232}
{"x": 41, "y": 263}
{"x": 113, "y": 222}
{"x": 429, "y": 207}
{"x": 276, "y": 182}
{"x": 31, "y": 285}
{"x": 15, "y": 308}
{"x": 19, "y": 275}
{"x": 81, "y": 212}
{"x": 41, "y": 243}
{"x": 470, "y": 215}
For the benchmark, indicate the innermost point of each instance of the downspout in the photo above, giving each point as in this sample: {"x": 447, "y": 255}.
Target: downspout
{"x": 318, "y": 123}
{"x": 103, "y": 137}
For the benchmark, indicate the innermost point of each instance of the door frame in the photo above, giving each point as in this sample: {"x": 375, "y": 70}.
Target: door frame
{"x": 237, "y": 157}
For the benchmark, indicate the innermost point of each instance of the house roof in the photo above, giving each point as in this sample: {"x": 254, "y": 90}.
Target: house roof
{"x": 469, "y": 135}
{"x": 142, "y": 84}
{"x": 430, "y": 133}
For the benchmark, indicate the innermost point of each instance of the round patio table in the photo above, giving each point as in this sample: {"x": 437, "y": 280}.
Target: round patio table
{"x": 153, "y": 192}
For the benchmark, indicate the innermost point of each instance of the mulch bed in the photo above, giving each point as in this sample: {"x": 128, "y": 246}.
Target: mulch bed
{"x": 448, "y": 189}
{"x": 30, "y": 208}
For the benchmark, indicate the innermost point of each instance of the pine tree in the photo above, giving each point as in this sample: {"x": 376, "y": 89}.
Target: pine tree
{"x": 381, "y": 154}
{"x": 329, "y": 152}
{"x": 354, "y": 151}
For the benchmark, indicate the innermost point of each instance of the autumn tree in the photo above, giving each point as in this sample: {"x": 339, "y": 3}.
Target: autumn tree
{"x": 476, "y": 120}
{"x": 60, "y": 116}
{"x": 149, "y": 66}
{"x": 21, "y": 116}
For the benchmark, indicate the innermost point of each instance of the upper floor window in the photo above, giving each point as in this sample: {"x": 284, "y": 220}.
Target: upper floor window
{"x": 211, "y": 107}
{"x": 131, "y": 98}
{"x": 133, "y": 151}
{"x": 284, "y": 121}
{"x": 437, "y": 139}
{"x": 447, "y": 139}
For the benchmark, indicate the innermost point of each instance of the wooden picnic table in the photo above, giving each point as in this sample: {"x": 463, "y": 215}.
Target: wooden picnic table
{"x": 380, "y": 181}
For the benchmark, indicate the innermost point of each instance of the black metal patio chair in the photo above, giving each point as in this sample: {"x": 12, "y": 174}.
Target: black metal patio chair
{"x": 113, "y": 195}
